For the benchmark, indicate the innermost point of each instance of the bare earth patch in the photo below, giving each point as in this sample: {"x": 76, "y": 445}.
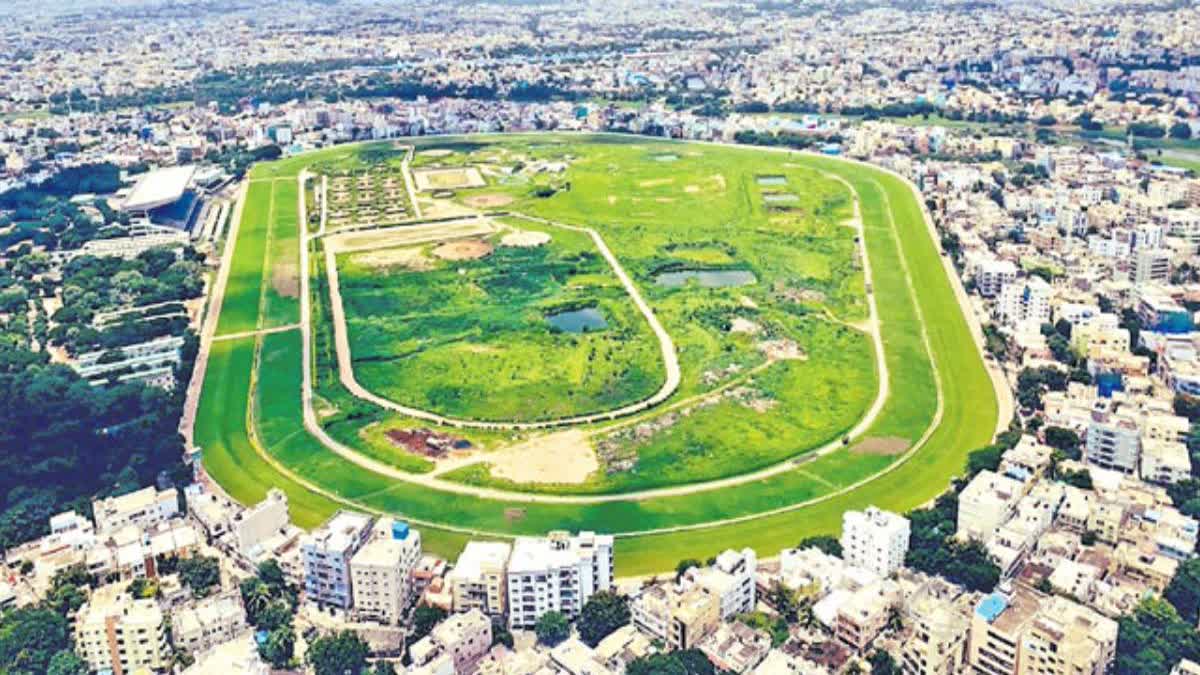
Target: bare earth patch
{"x": 525, "y": 239}
{"x": 470, "y": 249}
{"x": 487, "y": 201}
{"x": 720, "y": 180}
{"x": 740, "y": 325}
{"x": 436, "y": 152}
{"x": 408, "y": 258}
{"x": 886, "y": 445}
{"x": 612, "y": 199}
{"x": 691, "y": 189}
{"x": 656, "y": 182}
{"x": 782, "y": 350}
{"x": 285, "y": 280}
{"x": 564, "y": 457}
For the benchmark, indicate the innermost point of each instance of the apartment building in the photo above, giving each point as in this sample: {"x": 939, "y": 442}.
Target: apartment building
{"x": 556, "y": 573}
{"x": 210, "y": 622}
{"x": 115, "y": 633}
{"x": 478, "y": 579}
{"x": 986, "y": 503}
{"x": 380, "y": 573}
{"x": 938, "y": 615}
{"x": 680, "y": 617}
{"x": 1025, "y": 303}
{"x": 464, "y": 638}
{"x": 144, "y": 508}
{"x": 261, "y": 522}
{"x": 864, "y": 615}
{"x": 731, "y": 579}
{"x": 1150, "y": 266}
{"x": 992, "y": 275}
{"x": 1024, "y": 632}
{"x": 1165, "y": 462}
{"x": 1113, "y": 440}
{"x": 326, "y": 553}
{"x": 875, "y": 540}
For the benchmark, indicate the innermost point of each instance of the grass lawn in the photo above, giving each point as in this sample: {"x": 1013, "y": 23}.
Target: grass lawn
{"x": 897, "y": 240}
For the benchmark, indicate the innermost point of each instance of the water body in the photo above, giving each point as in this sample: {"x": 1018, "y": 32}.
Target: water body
{"x": 583, "y": 320}
{"x": 772, "y": 180}
{"x": 706, "y": 278}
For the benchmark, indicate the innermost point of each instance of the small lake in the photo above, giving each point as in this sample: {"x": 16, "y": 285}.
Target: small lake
{"x": 583, "y": 320}
{"x": 706, "y": 278}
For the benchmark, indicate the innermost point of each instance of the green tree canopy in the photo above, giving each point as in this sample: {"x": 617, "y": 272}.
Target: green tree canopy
{"x": 342, "y": 653}
{"x": 552, "y": 628}
{"x": 603, "y": 613}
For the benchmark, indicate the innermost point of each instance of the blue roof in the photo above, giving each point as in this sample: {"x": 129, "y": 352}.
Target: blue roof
{"x": 991, "y": 607}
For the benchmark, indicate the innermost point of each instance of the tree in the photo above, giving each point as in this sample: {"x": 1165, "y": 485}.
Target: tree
{"x": 689, "y": 662}
{"x": 1184, "y": 590}
{"x": 200, "y": 573}
{"x": 784, "y": 600}
{"x": 603, "y": 613}
{"x": 1063, "y": 439}
{"x": 882, "y": 663}
{"x": 987, "y": 458}
{"x": 384, "y": 668}
{"x": 1181, "y": 131}
{"x": 30, "y": 637}
{"x": 1153, "y": 639}
{"x": 501, "y": 635}
{"x": 552, "y": 628}
{"x": 685, "y": 565}
{"x": 826, "y": 544}
{"x": 425, "y": 618}
{"x": 280, "y": 646}
{"x": 343, "y": 653}
{"x": 67, "y": 663}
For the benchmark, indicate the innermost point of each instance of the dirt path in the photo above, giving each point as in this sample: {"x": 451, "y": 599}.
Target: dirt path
{"x": 252, "y": 333}
{"x": 666, "y": 344}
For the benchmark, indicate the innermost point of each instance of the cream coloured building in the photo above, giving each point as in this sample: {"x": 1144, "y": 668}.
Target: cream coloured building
{"x": 209, "y": 623}
{"x": 380, "y": 572}
{"x": 143, "y": 508}
{"x": 478, "y": 578}
{"x": 114, "y": 632}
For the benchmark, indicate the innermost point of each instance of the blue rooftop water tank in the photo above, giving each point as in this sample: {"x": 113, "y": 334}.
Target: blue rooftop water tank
{"x": 400, "y": 530}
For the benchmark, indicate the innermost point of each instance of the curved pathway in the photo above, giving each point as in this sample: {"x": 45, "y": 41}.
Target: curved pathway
{"x": 313, "y": 426}
{"x": 341, "y": 341}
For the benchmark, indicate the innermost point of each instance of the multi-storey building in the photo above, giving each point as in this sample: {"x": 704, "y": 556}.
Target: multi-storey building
{"x": 1113, "y": 441}
{"x": 464, "y": 638}
{"x": 261, "y": 522}
{"x": 209, "y": 623}
{"x": 1025, "y": 303}
{"x": 875, "y": 540}
{"x": 1026, "y": 633}
{"x": 143, "y": 508}
{"x": 380, "y": 571}
{"x": 556, "y": 573}
{"x": 987, "y": 501}
{"x": 730, "y": 578}
{"x": 680, "y": 617}
{"x": 326, "y": 553}
{"x": 115, "y": 633}
{"x": 478, "y": 578}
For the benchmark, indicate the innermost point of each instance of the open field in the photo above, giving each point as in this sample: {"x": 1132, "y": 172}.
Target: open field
{"x": 806, "y": 289}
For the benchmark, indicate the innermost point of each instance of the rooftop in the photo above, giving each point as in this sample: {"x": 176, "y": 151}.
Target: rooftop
{"x": 159, "y": 188}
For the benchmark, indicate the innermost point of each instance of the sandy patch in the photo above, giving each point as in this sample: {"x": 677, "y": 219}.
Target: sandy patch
{"x": 525, "y": 239}
{"x": 285, "y": 280}
{"x": 409, "y": 258}
{"x": 656, "y": 182}
{"x": 744, "y": 326}
{"x": 436, "y": 152}
{"x": 351, "y": 242}
{"x": 560, "y": 457}
{"x": 664, "y": 200}
{"x": 469, "y": 249}
{"x": 512, "y": 515}
{"x": 428, "y": 180}
{"x": 612, "y": 199}
{"x": 782, "y": 350}
{"x": 719, "y": 179}
{"x": 691, "y": 189}
{"x": 487, "y": 201}
{"x": 887, "y": 445}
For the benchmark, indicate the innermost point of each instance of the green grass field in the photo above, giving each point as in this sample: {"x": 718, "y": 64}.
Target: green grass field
{"x": 897, "y": 241}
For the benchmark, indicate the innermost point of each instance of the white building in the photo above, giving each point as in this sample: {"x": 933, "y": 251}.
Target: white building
{"x": 143, "y": 508}
{"x": 985, "y": 504}
{"x": 874, "y": 540}
{"x": 1165, "y": 462}
{"x": 557, "y": 573}
{"x": 991, "y": 276}
{"x": 209, "y": 623}
{"x": 1113, "y": 442}
{"x": 464, "y": 638}
{"x": 261, "y": 522}
{"x": 326, "y": 554}
{"x": 731, "y": 578}
{"x": 380, "y": 571}
{"x": 1025, "y": 303}
{"x": 1150, "y": 265}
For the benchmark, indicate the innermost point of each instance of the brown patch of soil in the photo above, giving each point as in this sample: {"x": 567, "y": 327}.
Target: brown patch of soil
{"x": 426, "y": 442}
{"x": 470, "y": 249}
{"x": 487, "y": 201}
{"x": 886, "y": 445}
{"x": 514, "y": 514}
{"x": 285, "y": 280}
